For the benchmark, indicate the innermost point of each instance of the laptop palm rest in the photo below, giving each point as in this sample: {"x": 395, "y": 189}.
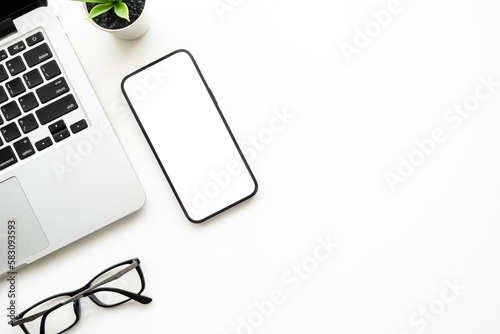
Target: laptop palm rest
{"x": 18, "y": 224}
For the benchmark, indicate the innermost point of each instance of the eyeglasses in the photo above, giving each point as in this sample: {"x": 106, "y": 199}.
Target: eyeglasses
{"x": 112, "y": 287}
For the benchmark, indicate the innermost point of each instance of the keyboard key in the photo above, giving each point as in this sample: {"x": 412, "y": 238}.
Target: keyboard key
{"x": 61, "y": 135}
{"x": 79, "y": 126}
{"x": 7, "y": 157}
{"x": 10, "y": 132}
{"x": 52, "y": 90}
{"x": 15, "y": 65}
{"x": 15, "y": 87}
{"x": 3, "y": 95}
{"x": 28, "y": 102}
{"x": 24, "y": 148}
{"x": 28, "y": 123}
{"x": 56, "y": 109}
{"x": 3, "y": 74}
{"x": 37, "y": 55}
{"x": 50, "y": 70}
{"x": 43, "y": 144}
{"x": 10, "y": 111}
{"x": 34, "y": 39}
{"x": 3, "y": 55}
{"x": 57, "y": 126}
{"x": 59, "y": 131}
{"x": 33, "y": 78}
{"x": 16, "y": 48}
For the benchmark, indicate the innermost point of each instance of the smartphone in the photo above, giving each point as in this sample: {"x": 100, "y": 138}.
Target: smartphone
{"x": 189, "y": 136}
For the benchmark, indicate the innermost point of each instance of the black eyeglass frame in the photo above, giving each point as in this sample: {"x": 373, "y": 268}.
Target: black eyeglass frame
{"x": 88, "y": 290}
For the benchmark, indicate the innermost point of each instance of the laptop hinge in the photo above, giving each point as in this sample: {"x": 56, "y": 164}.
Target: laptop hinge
{"x": 7, "y": 27}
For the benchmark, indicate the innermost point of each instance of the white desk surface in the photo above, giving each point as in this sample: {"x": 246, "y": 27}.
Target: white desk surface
{"x": 420, "y": 258}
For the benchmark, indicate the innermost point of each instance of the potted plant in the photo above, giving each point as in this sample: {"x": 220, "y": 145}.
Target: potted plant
{"x": 126, "y": 19}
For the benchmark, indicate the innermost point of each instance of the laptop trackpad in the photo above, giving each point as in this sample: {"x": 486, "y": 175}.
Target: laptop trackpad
{"x": 18, "y": 219}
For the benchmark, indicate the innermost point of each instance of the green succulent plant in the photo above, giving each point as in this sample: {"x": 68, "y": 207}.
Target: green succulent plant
{"x": 121, "y": 9}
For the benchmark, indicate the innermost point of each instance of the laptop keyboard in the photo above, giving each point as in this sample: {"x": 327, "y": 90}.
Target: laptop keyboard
{"x": 37, "y": 105}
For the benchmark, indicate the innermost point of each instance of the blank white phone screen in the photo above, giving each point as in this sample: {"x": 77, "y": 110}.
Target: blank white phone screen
{"x": 189, "y": 136}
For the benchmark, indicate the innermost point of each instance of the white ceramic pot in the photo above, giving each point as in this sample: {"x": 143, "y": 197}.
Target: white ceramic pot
{"x": 133, "y": 31}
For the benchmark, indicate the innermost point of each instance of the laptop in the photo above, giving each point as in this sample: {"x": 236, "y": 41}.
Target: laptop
{"x": 63, "y": 172}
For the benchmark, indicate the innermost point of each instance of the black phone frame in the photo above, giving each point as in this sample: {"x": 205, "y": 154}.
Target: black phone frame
{"x": 214, "y": 101}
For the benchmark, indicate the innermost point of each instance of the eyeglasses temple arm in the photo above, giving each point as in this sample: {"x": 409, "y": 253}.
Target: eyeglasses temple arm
{"x": 122, "y": 272}
{"x": 119, "y": 274}
{"x": 107, "y": 280}
{"x": 135, "y": 296}
{"x": 21, "y": 321}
